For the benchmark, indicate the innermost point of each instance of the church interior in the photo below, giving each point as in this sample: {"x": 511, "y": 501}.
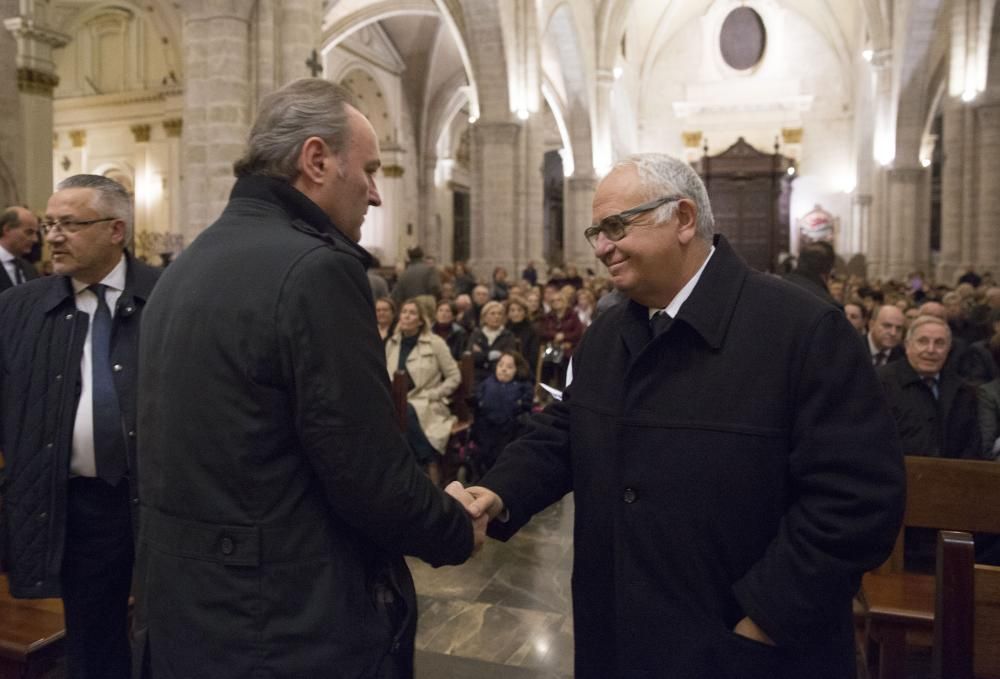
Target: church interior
{"x": 873, "y": 125}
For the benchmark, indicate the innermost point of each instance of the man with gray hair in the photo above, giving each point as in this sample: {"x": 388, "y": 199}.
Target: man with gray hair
{"x": 18, "y": 235}
{"x": 278, "y": 495}
{"x": 735, "y": 470}
{"x": 68, "y": 377}
{"x": 935, "y": 411}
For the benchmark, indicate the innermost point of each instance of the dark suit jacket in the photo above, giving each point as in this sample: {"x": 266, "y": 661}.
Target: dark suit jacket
{"x": 26, "y": 268}
{"x": 946, "y": 427}
{"x": 896, "y": 353}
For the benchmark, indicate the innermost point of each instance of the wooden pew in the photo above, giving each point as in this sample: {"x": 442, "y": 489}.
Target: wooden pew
{"x": 899, "y": 606}
{"x": 967, "y": 612}
{"x": 31, "y": 635}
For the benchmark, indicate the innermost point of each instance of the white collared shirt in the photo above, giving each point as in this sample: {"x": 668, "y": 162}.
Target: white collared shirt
{"x": 674, "y": 307}
{"x": 9, "y": 264}
{"x": 82, "y": 461}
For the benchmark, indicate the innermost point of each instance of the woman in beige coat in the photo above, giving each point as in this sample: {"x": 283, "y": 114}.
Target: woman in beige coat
{"x": 433, "y": 376}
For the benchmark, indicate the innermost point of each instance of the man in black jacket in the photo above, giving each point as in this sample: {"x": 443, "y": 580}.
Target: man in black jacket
{"x": 278, "y": 495}
{"x": 68, "y": 365}
{"x": 734, "y": 466}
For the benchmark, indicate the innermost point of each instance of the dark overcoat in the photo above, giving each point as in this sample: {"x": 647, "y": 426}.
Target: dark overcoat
{"x": 279, "y": 498}
{"x": 743, "y": 463}
{"x": 946, "y": 426}
{"x": 42, "y": 335}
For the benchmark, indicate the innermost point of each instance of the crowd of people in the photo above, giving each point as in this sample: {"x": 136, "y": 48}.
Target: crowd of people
{"x": 542, "y": 322}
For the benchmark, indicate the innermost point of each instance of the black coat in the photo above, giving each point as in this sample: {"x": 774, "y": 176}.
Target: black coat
{"x": 945, "y": 427}
{"x": 743, "y": 463}
{"x": 41, "y": 346}
{"x": 279, "y": 497}
{"x": 29, "y": 272}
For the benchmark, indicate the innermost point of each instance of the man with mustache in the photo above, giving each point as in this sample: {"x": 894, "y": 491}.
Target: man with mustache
{"x": 68, "y": 375}
{"x": 735, "y": 468}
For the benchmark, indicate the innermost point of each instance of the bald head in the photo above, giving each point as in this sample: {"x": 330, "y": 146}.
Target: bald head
{"x": 886, "y": 327}
{"x": 18, "y": 230}
{"x": 935, "y": 309}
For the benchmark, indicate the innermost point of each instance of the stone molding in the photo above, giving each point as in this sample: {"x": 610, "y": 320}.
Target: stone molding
{"x": 141, "y": 132}
{"x": 173, "y": 127}
{"x": 791, "y": 135}
{"x": 33, "y": 81}
{"x": 393, "y": 171}
{"x": 25, "y": 28}
{"x": 863, "y": 199}
{"x": 78, "y": 137}
{"x": 906, "y": 174}
{"x": 497, "y": 133}
{"x": 120, "y": 98}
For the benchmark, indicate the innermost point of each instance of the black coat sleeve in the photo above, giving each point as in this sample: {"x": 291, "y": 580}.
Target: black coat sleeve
{"x": 848, "y": 485}
{"x": 345, "y": 415}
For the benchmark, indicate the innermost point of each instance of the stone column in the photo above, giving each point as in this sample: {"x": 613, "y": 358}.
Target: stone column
{"x": 144, "y": 215}
{"x": 172, "y": 198}
{"x": 861, "y": 208}
{"x": 430, "y": 229}
{"x": 36, "y": 80}
{"x": 603, "y": 151}
{"x": 578, "y": 199}
{"x": 908, "y": 237}
{"x": 216, "y": 105}
{"x": 494, "y": 207}
{"x": 985, "y": 254}
{"x": 953, "y": 222}
{"x": 299, "y": 35}
{"x": 529, "y": 230}
{"x": 388, "y": 233}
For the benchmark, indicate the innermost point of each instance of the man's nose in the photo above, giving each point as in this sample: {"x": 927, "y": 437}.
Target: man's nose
{"x": 602, "y": 245}
{"x": 374, "y": 199}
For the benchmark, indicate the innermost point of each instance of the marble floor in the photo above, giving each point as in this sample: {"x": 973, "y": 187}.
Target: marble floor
{"x": 504, "y": 614}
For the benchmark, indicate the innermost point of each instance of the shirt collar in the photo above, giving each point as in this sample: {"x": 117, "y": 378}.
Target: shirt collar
{"x": 114, "y": 280}
{"x": 5, "y": 255}
{"x": 674, "y": 307}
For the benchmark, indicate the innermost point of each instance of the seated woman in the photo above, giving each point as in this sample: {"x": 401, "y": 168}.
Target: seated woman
{"x": 490, "y": 340}
{"x": 432, "y": 375}
{"x": 385, "y": 316}
{"x": 559, "y": 331}
{"x": 519, "y": 323}
{"x": 446, "y": 328}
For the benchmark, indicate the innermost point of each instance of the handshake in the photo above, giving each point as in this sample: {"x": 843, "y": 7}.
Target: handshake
{"x": 482, "y": 504}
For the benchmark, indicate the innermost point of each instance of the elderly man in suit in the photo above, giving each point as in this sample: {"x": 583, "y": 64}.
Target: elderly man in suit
{"x": 734, "y": 465}
{"x": 18, "y": 235}
{"x": 68, "y": 376}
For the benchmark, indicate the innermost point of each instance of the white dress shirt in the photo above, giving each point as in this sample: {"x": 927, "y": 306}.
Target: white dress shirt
{"x": 82, "y": 461}
{"x": 9, "y": 264}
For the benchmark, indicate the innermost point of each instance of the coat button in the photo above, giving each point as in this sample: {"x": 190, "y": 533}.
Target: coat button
{"x": 135, "y": 501}
{"x": 131, "y": 434}
{"x": 43, "y": 515}
{"x": 50, "y": 445}
{"x": 68, "y": 317}
{"x": 117, "y": 367}
{"x": 630, "y": 496}
{"x": 58, "y": 378}
{"x": 227, "y": 546}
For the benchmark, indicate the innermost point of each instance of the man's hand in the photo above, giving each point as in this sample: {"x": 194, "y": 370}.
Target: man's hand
{"x": 487, "y": 503}
{"x": 479, "y": 521}
{"x": 749, "y": 629}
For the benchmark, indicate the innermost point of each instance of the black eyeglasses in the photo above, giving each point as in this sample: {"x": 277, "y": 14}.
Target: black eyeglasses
{"x": 69, "y": 225}
{"x": 615, "y": 227}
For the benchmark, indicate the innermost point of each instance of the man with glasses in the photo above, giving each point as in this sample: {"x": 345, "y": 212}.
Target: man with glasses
{"x": 734, "y": 467}
{"x": 68, "y": 369}
{"x": 18, "y": 235}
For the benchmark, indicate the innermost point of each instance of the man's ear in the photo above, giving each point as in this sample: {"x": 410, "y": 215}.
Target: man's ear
{"x": 118, "y": 232}
{"x": 686, "y": 215}
{"x": 314, "y": 163}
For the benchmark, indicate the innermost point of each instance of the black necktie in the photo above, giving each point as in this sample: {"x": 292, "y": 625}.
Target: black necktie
{"x": 881, "y": 358}
{"x": 932, "y": 384}
{"x": 18, "y": 274}
{"x": 659, "y": 323}
{"x": 109, "y": 441}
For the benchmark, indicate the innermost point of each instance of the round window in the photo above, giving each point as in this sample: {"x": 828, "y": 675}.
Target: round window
{"x": 743, "y": 39}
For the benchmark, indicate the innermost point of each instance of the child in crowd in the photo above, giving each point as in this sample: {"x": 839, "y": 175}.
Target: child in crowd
{"x": 501, "y": 399}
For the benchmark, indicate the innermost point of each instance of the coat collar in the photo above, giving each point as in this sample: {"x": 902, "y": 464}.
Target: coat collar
{"x": 948, "y": 382}
{"x": 307, "y": 217}
{"x": 709, "y": 309}
{"x": 139, "y": 281}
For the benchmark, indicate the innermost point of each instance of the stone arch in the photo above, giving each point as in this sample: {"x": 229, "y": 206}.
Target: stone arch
{"x": 611, "y": 19}
{"x": 917, "y": 67}
{"x": 576, "y": 110}
{"x": 338, "y": 27}
{"x": 370, "y": 97}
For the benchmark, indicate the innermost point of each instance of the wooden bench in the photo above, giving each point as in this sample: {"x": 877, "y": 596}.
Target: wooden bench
{"x": 31, "y": 634}
{"x": 898, "y": 606}
{"x": 967, "y": 612}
